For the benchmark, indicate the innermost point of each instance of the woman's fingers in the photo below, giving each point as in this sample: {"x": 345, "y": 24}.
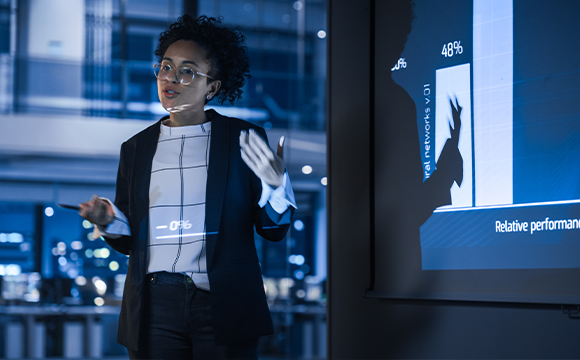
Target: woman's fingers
{"x": 280, "y": 148}
{"x": 249, "y": 159}
{"x": 249, "y": 152}
{"x": 256, "y": 153}
{"x": 260, "y": 147}
{"x": 97, "y": 211}
{"x": 86, "y": 208}
{"x": 256, "y": 148}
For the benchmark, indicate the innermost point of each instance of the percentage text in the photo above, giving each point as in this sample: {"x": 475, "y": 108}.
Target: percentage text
{"x": 452, "y": 48}
{"x": 401, "y": 64}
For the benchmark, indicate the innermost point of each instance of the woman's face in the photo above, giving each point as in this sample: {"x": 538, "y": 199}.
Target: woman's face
{"x": 177, "y": 97}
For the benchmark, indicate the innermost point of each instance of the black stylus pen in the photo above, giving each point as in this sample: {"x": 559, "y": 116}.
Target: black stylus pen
{"x": 72, "y": 207}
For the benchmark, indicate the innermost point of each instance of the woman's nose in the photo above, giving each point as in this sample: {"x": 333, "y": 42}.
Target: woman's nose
{"x": 173, "y": 77}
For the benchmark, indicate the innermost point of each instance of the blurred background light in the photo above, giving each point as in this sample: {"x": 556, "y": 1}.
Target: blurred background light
{"x": 100, "y": 285}
{"x": 15, "y": 238}
{"x": 296, "y": 259}
{"x": 13, "y": 269}
{"x": 72, "y": 273}
{"x": 114, "y": 266}
{"x": 62, "y": 261}
{"x": 298, "y": 225}
{"x": 299, "y": 260}
{"x": 81, "y": 280}
{"x": 104, "y": 253}
{"x": 298, "y": 274}
{"x": 48, "y": 211}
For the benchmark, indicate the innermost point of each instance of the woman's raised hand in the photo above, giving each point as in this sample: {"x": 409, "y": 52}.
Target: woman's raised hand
{"x": 266, "y": 164}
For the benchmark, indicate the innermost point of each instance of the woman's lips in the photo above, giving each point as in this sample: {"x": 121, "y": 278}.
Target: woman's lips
{"x": 170, "y": 93}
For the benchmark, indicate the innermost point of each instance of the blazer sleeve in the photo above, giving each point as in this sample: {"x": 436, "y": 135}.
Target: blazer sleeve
{"x": 123, "y": 244}
{"x": 269, "y": 224}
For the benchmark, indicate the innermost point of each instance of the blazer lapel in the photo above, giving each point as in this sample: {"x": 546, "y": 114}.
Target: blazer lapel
{"x": 216, "y": 178}
{"x": 144, "y": 152}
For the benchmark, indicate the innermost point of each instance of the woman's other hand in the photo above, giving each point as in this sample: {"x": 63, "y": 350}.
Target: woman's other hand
{"x": 266, "y": 164}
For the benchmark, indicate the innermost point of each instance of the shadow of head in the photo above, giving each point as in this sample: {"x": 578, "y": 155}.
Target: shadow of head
{"x": 397, "y": 24}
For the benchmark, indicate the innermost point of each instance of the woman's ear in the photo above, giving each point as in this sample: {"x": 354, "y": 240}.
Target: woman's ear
{"x": 214, "y": 86}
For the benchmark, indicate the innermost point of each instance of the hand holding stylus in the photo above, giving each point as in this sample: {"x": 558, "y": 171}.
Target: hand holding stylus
{"x": 97, "y": 211}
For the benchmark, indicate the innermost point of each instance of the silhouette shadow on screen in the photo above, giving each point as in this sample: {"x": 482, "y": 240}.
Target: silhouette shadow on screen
{"x": 403, "y": 199}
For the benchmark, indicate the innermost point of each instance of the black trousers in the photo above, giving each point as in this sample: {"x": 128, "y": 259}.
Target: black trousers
{"x": 179, "y": 323}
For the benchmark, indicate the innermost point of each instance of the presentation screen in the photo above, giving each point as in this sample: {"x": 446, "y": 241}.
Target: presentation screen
{"x": 477, "y": 150}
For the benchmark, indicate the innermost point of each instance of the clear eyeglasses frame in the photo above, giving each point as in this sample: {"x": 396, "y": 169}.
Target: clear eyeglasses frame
{"x": 185, "y": 75}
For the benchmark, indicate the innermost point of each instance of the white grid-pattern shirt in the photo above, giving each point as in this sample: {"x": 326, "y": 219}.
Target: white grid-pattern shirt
{"x": 177, "y": 202}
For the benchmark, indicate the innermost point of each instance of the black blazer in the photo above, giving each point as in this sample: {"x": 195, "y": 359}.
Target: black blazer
{"x": 238, "y": 301}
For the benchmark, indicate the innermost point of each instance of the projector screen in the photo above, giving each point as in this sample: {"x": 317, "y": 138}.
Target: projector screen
{"x": 477, "y": 151}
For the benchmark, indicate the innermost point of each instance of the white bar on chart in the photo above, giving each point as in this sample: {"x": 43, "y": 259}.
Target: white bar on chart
{"x": 493, "y": 101}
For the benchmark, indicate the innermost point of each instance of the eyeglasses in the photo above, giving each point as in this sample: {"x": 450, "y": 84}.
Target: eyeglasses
{"x": 185, "y": 75}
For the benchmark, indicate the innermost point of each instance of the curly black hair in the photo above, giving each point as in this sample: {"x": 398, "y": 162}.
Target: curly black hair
{"x": 225, "y": 48}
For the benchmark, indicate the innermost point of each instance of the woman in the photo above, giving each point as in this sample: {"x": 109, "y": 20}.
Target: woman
{"x": 186, "y": 205}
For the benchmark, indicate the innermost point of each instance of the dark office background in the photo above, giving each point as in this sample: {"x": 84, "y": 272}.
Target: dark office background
{"x": 77, "y": 80}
